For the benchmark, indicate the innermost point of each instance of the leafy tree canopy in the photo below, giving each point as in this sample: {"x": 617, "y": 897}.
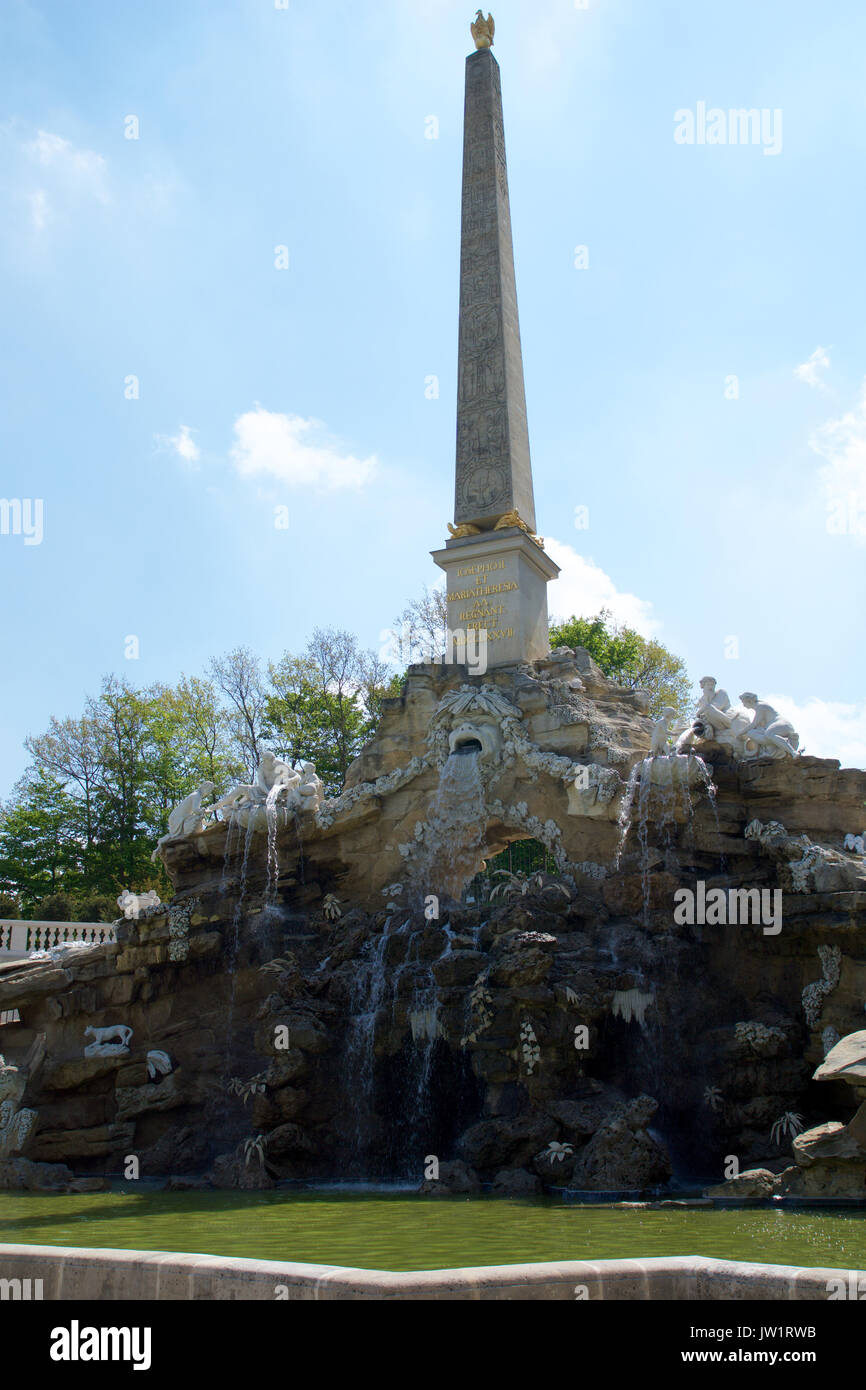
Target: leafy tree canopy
{"x": 628, "y": 659}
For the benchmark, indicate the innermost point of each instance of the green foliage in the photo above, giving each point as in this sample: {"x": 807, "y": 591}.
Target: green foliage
{"x": 628, "y": 659}
{"x": 82, "y": 823}
{"x": 58, "y": 907}
{"x": 84, "y": 820}
{"x": 95, "y": 909}
{"x": 40, "y": 839}
{"x": 324, "y": 705}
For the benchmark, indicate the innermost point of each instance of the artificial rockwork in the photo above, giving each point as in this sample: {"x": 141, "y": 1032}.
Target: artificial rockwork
{"x": 331, "y": 994}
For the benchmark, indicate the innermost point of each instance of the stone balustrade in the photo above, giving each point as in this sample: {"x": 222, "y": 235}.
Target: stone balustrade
{"x": 17, "y": 939}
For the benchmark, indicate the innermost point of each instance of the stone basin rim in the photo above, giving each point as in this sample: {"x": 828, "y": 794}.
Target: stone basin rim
{"x": 143, "y": 1274}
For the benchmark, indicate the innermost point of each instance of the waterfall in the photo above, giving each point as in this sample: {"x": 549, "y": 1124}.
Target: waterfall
{"x": 368, "y": 992}
{"x": 272, "y": 814}
{"x": 393, "y": 1047}
{"x": 395, "y": 1044}
{"x": 228, "y": 849}
{"x": 455, "y": 829}
{"x": 233, "y": 945}
{"x": 660, "y": 786}
{"x": 625, "y": 815}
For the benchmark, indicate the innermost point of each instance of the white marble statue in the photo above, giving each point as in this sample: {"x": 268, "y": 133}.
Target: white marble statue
{"x": 311, "y": 792}
{"x": 274, "y": 773}
{"x": 241, "y": 798}
{"x": 715, "y": 718}
{"x": 158, "y": 1064}
{"x": 132, "y": 904}
{"x": 188, "y": 818}
{"x": 108, "y": 1042}
{"x": 771, "y": 735}
{"x": 277, "y": 784}
{"x": 753, "y": 729}
{"x": 660, "y": 745}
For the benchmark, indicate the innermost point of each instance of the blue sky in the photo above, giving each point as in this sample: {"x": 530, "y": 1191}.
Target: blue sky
{"x": 306, "y": 388}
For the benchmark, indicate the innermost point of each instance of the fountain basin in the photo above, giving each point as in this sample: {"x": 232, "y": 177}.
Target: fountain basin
{"x": 132, "y": 1275}
{"x": 345, "y": 1245}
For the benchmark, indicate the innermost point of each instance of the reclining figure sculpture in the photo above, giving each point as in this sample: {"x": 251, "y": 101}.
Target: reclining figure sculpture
{"x": 753, "y": 729}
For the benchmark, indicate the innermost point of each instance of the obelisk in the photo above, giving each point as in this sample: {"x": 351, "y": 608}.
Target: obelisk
{"x": 497, "y": 570}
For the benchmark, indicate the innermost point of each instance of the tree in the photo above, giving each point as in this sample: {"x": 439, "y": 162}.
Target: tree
{"x": 71, "y": 750}
{"x": 207, "y": 733}
{"x": 98, "y": 908}
{"x": 628, "y": 659}
{"x": 130, "y": 799}
{"x": 57, "y": 907}
{"x": 239, "y": 677}
{"x": 325, "y": 704}
{"x": 421, "y": 630}
{"x": 41, "y": 840}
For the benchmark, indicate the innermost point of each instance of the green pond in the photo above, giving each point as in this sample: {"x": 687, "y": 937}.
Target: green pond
{"x": 400, "y": 1231}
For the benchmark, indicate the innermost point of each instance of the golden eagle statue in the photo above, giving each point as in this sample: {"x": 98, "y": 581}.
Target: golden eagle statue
{"x": 483, "y": 30}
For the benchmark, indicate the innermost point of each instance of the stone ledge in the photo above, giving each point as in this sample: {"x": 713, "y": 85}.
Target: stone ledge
{"x": 128, "y": 1275}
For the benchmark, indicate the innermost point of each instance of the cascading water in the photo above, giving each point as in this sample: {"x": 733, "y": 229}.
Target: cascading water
{"x": 233, "y": 945}
{"x": 422, "y": 1016}
{"x": 368, "y": 992}
{"x": 455, "y": 830}
{"x": 272, "y": 814}
{"x": 660, "y": 787}
{"x": 398, "y": 1066}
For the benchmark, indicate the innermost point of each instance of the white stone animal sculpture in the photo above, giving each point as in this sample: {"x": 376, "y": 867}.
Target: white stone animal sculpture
{"x": 108, "y": 1042}
{"x": 132, "y": 904}
{"x": 188, "y": 818}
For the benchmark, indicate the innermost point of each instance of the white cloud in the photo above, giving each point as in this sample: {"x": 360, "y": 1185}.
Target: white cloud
{"x": 842, "y": 443}
{"x": 50, "y": 175}
{"x": 807, "y": 372}
{"x": 39, "y": 211}
{"x": 291, "y": 450}
{"x": 53, "y": 150}
{"x": 182, "y": 443}
{"x": 583, "y": 590}
{"x": 828, "y": 729}
{"x": 72, "y": 173}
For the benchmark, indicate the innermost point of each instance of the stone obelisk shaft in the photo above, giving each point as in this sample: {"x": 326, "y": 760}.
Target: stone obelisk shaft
{"x": 494, "y": 475}
{"x": 496, "y": 573}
